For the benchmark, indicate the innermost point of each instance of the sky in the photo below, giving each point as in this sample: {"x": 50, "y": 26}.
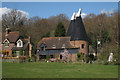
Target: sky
{"x": 47, "y": 9}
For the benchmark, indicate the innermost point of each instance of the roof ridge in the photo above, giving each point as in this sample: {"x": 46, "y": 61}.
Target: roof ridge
{"x": 55, "y": 37}
{"x": 14, "y": 32}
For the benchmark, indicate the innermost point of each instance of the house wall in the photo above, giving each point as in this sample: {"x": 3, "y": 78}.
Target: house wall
{"x": 74, "y": 57}
{"x": 79, "y": 44}
{"x": 58, "y": 51}
{"x": 0, "y": 48}
{"x": 69, "y": 58}
{"x": 0, "y": 43}
{"x": 11, "y": 45}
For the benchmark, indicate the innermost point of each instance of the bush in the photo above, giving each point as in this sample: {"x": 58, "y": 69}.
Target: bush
{"x": 47, "y": 57}
{"x": 21, "y": 52}
{"x": 22, "y": 59}
{"x": 80, "y": 56}
{"x": 106, "y": 63}
{"x": 87, "y": 59}
{"x": 14, "y": 53}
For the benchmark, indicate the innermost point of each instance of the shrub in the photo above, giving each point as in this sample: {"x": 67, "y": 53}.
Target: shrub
{"x": 21, "y": 52}
{"x": 57, "y": 56}
{"x": 106, "y": 63}
{"x": 47, "y": 57}
{"x": 14, "y": 53}
{"x": 87, "y": 59}
{"x": 80, "y": 56}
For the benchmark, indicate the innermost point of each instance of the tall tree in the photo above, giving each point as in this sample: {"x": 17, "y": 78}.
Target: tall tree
{"x": 60, "y": 30}
{"x": 13, "y": 19}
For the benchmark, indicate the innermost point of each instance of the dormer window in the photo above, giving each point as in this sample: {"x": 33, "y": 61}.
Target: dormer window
{"x": 6, "y": 42}
{"x": 63, "y": 46}
{"x": 42, "y": 47}
{"x": 19, "y": 43}
{"x": 53, "y": 46}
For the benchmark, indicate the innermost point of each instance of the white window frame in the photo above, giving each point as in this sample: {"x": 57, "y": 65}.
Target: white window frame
{"x": 18, "y": 43}
{"x": 54, "y": 46}
{"x": 6, "y": 42}
{"x": 63, "y": 45}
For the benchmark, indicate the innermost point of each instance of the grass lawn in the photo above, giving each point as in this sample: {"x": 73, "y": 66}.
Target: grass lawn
{"x": 58, "y": 70}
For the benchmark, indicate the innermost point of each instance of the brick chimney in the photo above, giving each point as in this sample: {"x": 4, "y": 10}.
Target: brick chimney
{"x": 7, "y": 31}
{"x": 28, "y": 39}
{"x": 30, "y": 46}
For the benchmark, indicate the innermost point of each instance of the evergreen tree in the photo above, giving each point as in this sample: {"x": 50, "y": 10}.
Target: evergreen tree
{"x": 60, "y": 30}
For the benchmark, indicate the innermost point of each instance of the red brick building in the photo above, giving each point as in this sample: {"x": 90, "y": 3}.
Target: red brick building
{"x": 12, "y": 43}
{"x": 75, "y": 42}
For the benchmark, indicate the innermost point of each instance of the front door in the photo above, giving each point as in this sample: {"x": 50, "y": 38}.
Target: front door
{"x": 17, "y": 53}
{"x": 60, "y": 56}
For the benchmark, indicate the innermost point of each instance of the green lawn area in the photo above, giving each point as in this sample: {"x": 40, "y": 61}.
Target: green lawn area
{"x": 58, "y": 70}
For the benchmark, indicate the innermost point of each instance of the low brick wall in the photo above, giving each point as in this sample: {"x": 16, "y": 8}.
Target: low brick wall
{"x": 10, "y": 59}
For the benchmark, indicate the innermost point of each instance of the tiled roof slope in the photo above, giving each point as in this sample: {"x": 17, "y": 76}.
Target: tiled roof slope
{"x": 57, "y": 41}
{"x": 12, "y": 36}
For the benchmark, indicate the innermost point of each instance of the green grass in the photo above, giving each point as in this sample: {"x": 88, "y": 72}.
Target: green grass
{"x": 58, "y": 70}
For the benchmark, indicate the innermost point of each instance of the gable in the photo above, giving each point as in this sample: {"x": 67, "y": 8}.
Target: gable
{"x": 12, "y": 37}
{"x": 42, "y": 45}
{"x": 19, "y": 41}
{"x": 6, "y": 41}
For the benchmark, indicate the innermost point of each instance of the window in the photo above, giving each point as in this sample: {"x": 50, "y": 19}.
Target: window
{"x": 42, "y": 47}
{"x": 53, "y": 46}
{"x": 60, "y": 56}
{"x": 20, "y": 44}
{"x": 63, "y": 46}
{"x": 83, "y": 46}
{"x": 7, "y": 53}
{"x": 6, "y": 44}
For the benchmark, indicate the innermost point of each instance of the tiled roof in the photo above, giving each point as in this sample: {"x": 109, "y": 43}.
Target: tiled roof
{"x": 56, "y": 42}
{"x": 22, "y": 48}
{"x": 12, "y": 36}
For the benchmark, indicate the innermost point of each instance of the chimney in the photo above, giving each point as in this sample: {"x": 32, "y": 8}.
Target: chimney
{"x": 28, "y": 39}
{"x": 30, "y": 46}
{"x": 7, "y": 31}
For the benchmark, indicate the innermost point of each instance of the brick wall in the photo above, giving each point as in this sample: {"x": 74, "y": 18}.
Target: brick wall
{"x": 79, "y": 44}
{"x": 74, "y": 57}
{"x": 11, "y": 45}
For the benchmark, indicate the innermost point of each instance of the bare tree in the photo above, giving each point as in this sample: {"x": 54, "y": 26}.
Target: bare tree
{"x": 13, "y": 19}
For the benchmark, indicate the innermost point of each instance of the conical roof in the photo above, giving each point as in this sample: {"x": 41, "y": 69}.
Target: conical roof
{"x": 76, "y": 29}
{"x": 71, "y": 28}
{"x": 72, "y": 23}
